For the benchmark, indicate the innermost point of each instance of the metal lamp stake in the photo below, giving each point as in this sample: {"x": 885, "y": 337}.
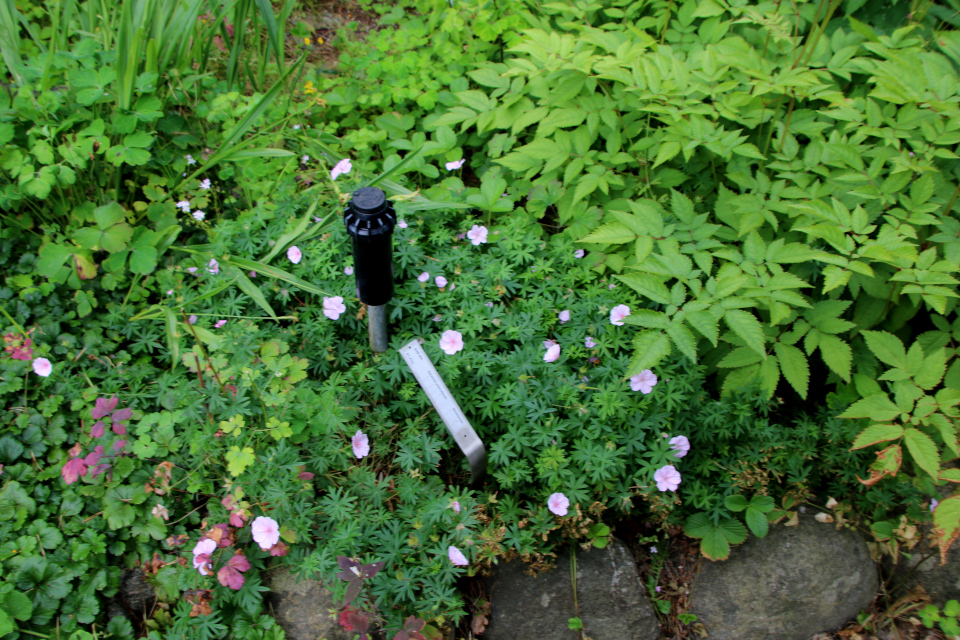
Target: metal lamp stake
{"x": 370, "y": 220}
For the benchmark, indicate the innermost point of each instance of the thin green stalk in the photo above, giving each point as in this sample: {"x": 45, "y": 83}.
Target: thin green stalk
{"x": 20, "y": 329}
{"x": 773, "y": 123}
{"x": 953, "y": 200}
{"x": 133, "y": 283}
{"x": 786, "y": 124}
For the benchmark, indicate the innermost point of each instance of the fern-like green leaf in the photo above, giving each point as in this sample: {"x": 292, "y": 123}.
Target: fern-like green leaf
{"x": 794, "y": 366}
{"x": 650, "y": 347}
{"x": 747, "y": 327}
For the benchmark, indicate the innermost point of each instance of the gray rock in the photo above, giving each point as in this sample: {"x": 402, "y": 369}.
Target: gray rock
{"x": 793, "y": 584}
{"x": 942, "y": 583}
{"x": 305, "y": 610}
{"x": 612, "y": 602}
{"x": 135, "y": 597}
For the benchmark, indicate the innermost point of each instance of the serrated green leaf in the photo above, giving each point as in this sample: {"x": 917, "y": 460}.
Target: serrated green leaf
{"x": 877, "y": 433}
{"x": 667, "y": 151}
{"x": 697, "y": 525}
{"x": 739, "y": 357}
{"x": 793, "y": 365}
{"x": 736, "y": 502}
{"x": 757, "y": 521}
{"x": 934, "y": 366}
{"x": 612, "y": 233}
{"x": 837, "y": 354}
{"x": 706, "y": 323}
{"x": 923, "y": 450}
{"x": 650, "y": 347}
{"x": 878, "y": 407}
{"x": 683, "y": 339}
{"x": 714, "y": 545}
{"x": 647, "y": 285}
{"x": 733, "y": 530}
{"x": 887, "y": 348}
{"x": 946, "y": 524}
{"x": 748, "y": 328}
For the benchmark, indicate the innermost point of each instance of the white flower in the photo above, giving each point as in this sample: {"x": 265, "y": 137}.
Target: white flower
{"x": 305, "y": 159}
{"x": 333, "y": 307}
{"x": 294, "y": 255}
{"x": 42, "y": 367}
{"x": 456, "y": 557}
{"x": 348, "y": 271}
{"x": 402, "y": 224}
{"x": 558, "y": 504}
{"x": 296, "y": 126}
{"x": 618, "y": 313}
{"x": 199, "y": 215}
{"x": 477, "y": 235}
{"x": 266, "y": 532}
{"x": 204, "y": 547}
{"x": 361, "y": 444}
{"x": 341, "y": 168}
{"x": 645, "y": 381}
{"x": 205, "y": 183}
{"x": 184, "y": 205}
{"x": 453, "y": 166}
{"x": 190, "y": 159}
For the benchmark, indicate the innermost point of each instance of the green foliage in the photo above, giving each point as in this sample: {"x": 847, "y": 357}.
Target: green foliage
{"x": 948, "y": 619}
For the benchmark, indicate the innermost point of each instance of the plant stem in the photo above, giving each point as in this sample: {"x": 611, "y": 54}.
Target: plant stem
{"x": 953, "y": 200}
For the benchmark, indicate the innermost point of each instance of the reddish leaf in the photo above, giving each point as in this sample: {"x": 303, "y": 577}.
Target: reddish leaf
{"x": 230, "y": 577}
{"x": 358, "y": 621}
{"x": 104, "y": 406}
{"x": 73, "y": 469}
{"x": 370, "y": 570}
{"x": 279, "y": 549}
{"x": 93, "y": 458}
{"x": 305, "y": 475}
{"x": 887, "y": 463}
{"x": 122, "y": 415}
{"x": 119, "y": 428}
{"x": 353, "y": 590}
{"x": 239, "y": 562}
{"x": 98, "y": 429}
{"x": 346, "y": 563}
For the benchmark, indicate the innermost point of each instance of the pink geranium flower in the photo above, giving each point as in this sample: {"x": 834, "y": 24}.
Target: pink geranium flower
{"x": 42, "y": 367}
{"x": 361, "y": 444}
{"x": 343, "y": 167}
{"x": 451, "y": 342}
{"x": 477, "y": 235}
{"x": 348, "y": 271}
{"x": 558, "y": 504}
{"x": 589, "y": 343}
{"x": 266, "y": 532}
{"x": 201, "y": 555}
{"x": 564, "y": 316}
{"x": 578, "y": 253}
{"x": 423, "y": 277}
{"x": 402, "y": 224}
{"x": 456, "y": 557}
{"x": 219, "y": 323}
{"x": 294, "y": 255}
{"x": 681, "y": 445}
{"x": 455, "y": 506}
{"x": 552, "y": 354}
{"x": 618, "y": 313}
{"x": 453, "y": 166}
{"x": 333, "y": 307}
{"x": 213, "y": 266}
{"x": 440, "y": 281}
{"x": 667, "y": 478}
{"x": 644, "y": 381}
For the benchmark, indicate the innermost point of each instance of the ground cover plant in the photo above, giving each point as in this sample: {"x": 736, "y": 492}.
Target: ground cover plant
{"x": 633, "y": 237}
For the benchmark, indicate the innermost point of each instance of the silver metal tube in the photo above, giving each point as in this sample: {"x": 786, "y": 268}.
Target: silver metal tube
{"x": 377, "y": 326}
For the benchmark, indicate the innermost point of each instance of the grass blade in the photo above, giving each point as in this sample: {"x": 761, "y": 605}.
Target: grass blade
{"x": 273, "y": 32}
{"x": 389, "y": 172}
{"x": 252, "y": 290}
{"x": 274, "y": 272}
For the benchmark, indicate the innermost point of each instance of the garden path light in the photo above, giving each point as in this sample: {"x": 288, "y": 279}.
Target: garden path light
{"x": 370, "y": 220}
